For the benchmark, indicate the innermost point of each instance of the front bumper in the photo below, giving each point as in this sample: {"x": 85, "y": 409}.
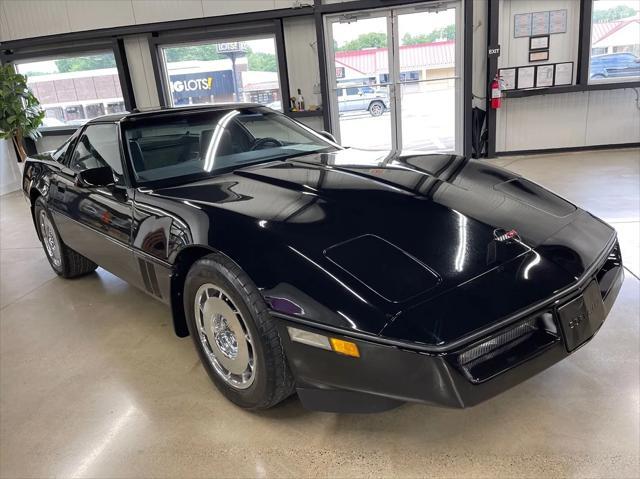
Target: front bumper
{"x": 387, "y": 375}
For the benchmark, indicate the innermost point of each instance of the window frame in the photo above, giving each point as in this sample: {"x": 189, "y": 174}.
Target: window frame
{"x": 119, "y": 178}
{"x": 114, "y": 46}
{"x": 589, "y": 47}
{"x": 230, "y": 34}
{"x": 582, "y": 65}
{"x": 77, "y": 134}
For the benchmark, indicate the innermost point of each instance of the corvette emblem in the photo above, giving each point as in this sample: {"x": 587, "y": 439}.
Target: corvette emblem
{"x": 505, "y": 236}
{"x": 575, "y": 322}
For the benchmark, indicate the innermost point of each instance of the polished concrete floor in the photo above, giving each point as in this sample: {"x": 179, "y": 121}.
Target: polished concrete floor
{"x": 93, "y": 382}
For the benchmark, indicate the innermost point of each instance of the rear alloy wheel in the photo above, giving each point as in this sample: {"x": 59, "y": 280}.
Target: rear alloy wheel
{"x": 64, "y": 261}
{"x": 50, "y": 240}
{"x": 234, "y": 334}
{"x": 376, "y": 108}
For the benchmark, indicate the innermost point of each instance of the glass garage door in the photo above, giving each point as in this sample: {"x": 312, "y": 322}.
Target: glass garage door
{"x": 360, "y": 52}
{"x": 395, "y": 77}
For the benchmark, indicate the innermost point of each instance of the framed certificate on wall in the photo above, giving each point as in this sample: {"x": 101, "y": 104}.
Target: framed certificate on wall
{"x": 539, "y": 43}
{"x": 544, "y": 75}
{"x": 557, "y": 21}
{"x": 564, "y": 74}
{"x": 508, "y": 78}
{"x": 540, "y": 23}
{"x": 522, "y": 25}
{"x": 525, "y": 77}
{"x": 539, "y": 56}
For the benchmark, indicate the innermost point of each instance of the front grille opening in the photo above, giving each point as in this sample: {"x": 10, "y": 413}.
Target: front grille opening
{"x": 607, "y": 273}
{"x": 509, "y": 348}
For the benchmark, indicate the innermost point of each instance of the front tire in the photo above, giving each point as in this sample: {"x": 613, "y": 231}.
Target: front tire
{"x": 234, "y": 334}
{"x": 63, "y": 260}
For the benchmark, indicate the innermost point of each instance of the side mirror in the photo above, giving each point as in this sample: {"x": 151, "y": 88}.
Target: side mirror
{"x": 328, "y": 136}
{"x": 101, "y": 176}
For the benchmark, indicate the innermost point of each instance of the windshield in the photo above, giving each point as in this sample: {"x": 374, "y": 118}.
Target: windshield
{"x": 201, "y": 143}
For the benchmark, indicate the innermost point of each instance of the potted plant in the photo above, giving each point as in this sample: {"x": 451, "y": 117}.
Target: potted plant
{"x": 20, "y": 111}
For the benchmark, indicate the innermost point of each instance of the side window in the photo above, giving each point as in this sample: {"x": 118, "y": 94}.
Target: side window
{"x": 98, "y": 146}
{"x": 274, "y": 127}
{"x": 352, "y": 91}
{"x": 59, "y": 154}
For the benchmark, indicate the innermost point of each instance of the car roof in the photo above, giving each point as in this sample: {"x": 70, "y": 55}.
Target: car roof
{"x": 159, "y": 111}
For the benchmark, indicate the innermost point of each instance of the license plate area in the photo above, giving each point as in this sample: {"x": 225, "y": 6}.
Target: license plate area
{"x": 581, "y": 317}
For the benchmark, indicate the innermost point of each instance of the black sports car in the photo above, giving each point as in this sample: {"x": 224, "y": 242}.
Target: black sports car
{"x": 359, "y": 279}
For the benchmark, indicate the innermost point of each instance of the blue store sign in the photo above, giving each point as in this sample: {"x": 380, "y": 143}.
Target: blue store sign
{"x": 187, "y": 85}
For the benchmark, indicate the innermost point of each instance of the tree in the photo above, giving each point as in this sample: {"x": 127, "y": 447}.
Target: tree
{"x": 202, "y": 53}
{"x": 448, "y": 32}
{"x": 365, "y": 40}
{"x": 93, "y": 62}
{"x": 262, "y": 62}
{"x": 20, "y": 112}
{"x": 445, "y": 33}
{"x": 612, "y": 14}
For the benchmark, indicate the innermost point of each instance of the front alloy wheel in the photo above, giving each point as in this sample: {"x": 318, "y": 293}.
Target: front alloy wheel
{"x": 224, "y": 336}
{"x": 235, "y": 336}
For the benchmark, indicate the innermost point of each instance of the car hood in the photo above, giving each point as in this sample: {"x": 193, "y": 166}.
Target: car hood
{"x": 402, "y": 230}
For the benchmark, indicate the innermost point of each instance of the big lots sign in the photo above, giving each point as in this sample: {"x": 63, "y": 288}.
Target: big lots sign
{"x": 186, "y": 85}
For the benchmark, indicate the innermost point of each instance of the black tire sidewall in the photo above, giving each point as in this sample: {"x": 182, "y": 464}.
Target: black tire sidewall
{"x": 211, "y": 271}
{"x": 40, "y": 206}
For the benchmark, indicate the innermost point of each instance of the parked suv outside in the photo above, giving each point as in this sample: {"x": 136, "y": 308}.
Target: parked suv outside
{"x": 362, "y": 98}
{"x": 614, "y": 65}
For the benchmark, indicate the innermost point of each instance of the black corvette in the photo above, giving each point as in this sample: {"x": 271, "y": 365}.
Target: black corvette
{"x": 359, "y": 279}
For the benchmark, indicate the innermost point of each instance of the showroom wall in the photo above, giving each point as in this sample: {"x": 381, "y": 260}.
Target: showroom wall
{"x": 560, "y": 120}
{"x": 32, "y": 18}
{"x": 9, "y": 170}
{"x": 530, "y": 123}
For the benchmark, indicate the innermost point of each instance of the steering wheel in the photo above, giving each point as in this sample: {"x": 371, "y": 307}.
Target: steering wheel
{"x": 266, "y": 142}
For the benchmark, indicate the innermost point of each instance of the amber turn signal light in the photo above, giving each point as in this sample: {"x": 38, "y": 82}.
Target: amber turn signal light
{"x": 345, "y": 347}
{"x": 336, "y": 345}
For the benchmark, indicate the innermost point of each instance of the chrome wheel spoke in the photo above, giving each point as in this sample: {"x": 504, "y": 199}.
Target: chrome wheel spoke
{"x": 224, "y": 336}
{"x": 49, "y": 239}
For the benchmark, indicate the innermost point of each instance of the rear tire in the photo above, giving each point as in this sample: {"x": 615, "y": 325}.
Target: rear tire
{"x": 376, "y": 108}
{"x": 63, "y": 260}
{"x": 234, "y": 334}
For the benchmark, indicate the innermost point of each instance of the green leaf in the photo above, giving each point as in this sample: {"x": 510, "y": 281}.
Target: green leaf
{"x": 19, "y": 108}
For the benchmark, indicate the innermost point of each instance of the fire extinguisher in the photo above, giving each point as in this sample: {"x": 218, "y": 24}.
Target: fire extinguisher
{"x": 496, "y": 94}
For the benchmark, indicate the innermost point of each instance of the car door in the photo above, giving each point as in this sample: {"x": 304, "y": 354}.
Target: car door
{"x": 354, "y": 99}
{"x": 96, "y": 221}
{"x": 625, "y": 65}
